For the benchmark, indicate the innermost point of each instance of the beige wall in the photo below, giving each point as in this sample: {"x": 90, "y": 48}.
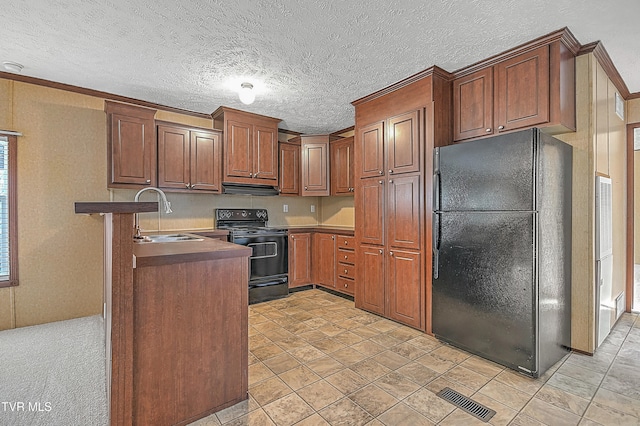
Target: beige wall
{"x": 633, "y": 116}
{"x": 62, "y": 159}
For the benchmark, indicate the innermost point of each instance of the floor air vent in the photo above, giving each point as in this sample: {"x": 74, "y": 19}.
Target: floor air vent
{"x": 470, "y": 406}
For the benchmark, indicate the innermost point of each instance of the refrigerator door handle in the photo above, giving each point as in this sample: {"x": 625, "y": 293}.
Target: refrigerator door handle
{"x": 435, "y": 238}
{"x": 436, "y": 191}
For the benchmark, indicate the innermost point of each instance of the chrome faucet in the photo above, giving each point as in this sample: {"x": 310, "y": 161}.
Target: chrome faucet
{"x": 167, "y": 207}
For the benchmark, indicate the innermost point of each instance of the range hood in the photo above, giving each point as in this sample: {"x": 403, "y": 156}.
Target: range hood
{"x": 244, "y": 189}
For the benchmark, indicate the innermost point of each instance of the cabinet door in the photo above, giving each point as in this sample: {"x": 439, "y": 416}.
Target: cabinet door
{"x": 403, "y": 211}
{"x": 206, "y": 161}
{"x": 265, "y": 155}
{"x": 289, "y": 169}
{"x": 238, "y": 150}
{"x": 342, "y": 167}
{"x": 299, "y": 259}
{"x": 370, "y": 294}
{"x": 522, "y": 90}
{"x": 173, "y": 157}
{"x": 473, "y": 105}
{"x": 132, "y": 150}
{"x": 370, "y": 149}
{"x": 405, "y": 288}
{"x": 370, "y": 211}
{"x": 324, "y": 259}
{"x": 315, "y": 168}
{"x": 403, "y": 152}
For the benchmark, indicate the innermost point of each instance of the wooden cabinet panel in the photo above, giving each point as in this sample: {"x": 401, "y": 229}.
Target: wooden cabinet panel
{"x": 346, "y": 256}
{"x": 403, "y": 154}
{"x": 239, "y": 149}
{"x": 473, "y": 105}
{"x": 289, "y": 169}
{"x": 370, "y": 215}
{"x": 342, "y": 167}
{"x": 345, "y": 285}
{"x": 522, "y": 90}
{"x": 324, "y": 259}
{"x": 250, "y": 146}
{"x": 406, "y": 297}
{"x": 206, "y": 161}
{"x": 370, "y": 291}
{"x": 173, "y": 157}
{"x": 371, "y": 150}
{"x": 189, "y": 158}
{"x": 265, "y": 168}
{"x": 131, "y": 145}
{"x": 315, "y": 167}
{"x": 403, "y": 211}
{"x": 345, "y": 270}
{"x": 346, "y": 242}
{"x": 299, "y": 259}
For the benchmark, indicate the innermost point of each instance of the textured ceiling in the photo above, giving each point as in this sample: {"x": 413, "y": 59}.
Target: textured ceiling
{"x": 307, "y": 59}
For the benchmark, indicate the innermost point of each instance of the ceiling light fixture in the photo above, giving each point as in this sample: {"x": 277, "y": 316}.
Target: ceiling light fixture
{"x": 246, "y": 93}
{"x": 12, "y": 67}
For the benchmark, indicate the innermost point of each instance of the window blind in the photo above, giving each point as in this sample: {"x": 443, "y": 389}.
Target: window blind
{"x": 4, "y": 208}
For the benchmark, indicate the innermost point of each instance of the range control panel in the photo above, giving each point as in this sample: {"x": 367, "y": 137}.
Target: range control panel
{"x": 237, "y": 215}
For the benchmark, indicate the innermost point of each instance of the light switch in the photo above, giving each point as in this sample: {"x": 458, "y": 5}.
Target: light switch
{"x": 285, "y": 208}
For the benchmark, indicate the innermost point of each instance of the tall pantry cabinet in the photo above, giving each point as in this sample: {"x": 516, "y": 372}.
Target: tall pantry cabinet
{"x": 395, "y": 132}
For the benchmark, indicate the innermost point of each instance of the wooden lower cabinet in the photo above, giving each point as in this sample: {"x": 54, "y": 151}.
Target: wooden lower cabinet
{"x": 405, "y": 300}
{"x": 299, "y": 259}
{"x": 370, "y": 292}
{"x": 324, "y": 259}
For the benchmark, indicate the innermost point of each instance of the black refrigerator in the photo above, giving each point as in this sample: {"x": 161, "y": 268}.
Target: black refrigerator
{"x": 502, "y": 249}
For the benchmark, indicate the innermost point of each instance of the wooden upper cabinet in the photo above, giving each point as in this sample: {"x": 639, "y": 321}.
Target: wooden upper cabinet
{"x": 404, "y": 143}
{"x": 315, "y": 165}
{"x": 522, "y": 90}
{"x": 131, "y": 145}
{"x": 289, "y": 169}
{"x": 403, "y": 211}
{"x": 206, "y": 161}
{"x": 342, "y": 167}
{"x": 250, "y": 146}
{"x": 189, "y": 158}
{"x": 299, "y": 259}
{"x": 370, "y": 214}
{"x": 473, "y": 105}
{"x": 535, "y": 88}
{"x": 371, "y": 147}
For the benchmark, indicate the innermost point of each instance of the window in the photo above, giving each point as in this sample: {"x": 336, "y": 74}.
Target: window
{"x": 8, "y": 212}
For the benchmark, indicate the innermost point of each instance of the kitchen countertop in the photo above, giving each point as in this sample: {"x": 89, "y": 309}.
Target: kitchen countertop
{"x": 345, "y": 230}
{"x": 153, "y": 254}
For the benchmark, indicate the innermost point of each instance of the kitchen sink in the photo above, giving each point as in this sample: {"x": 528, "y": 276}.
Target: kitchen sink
{"x": 168, "y": 238}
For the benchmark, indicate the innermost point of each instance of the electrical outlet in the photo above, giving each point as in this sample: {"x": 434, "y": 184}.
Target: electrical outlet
{"x": 313, "y": 208}
{"x": 285, "y": 208}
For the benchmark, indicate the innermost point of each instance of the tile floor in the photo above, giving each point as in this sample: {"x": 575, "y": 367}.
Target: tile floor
{"x": 316, "y": 360}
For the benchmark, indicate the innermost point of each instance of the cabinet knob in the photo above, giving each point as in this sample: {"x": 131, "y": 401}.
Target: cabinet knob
{"x": 488, "y": 130}
{"x": 380, "y": 182}
{"x": 346, "y": 242}
{"x": 379, "y": 172}
{"x": 390, "y": 180}
{"x": 346, "y": 257}
{"x": 352, "y": 189}
{"x": 333, "y": 237}
{"x": 255, "y": 175}
{"x": 500, "y": 127}
{"x": 346, "y": 285}
{"x": 345, "y": 271}
{"x": 306, "y": 187}
{"x": 148, "y": 180}
{"x": 187, "y": 185}
{"x": 390, "y": 171}
{"x": 390, "y": 253}
{"x": 193, "y": 185}
{"x": 293, "y": 237}
{"x": 380, "y": 250}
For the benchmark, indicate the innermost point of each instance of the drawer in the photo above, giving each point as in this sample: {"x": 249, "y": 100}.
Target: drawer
{"x": 346, "y": 270}
{"x": 346, "y": 242}
{"x": 346, "y": 256}
{"x": 346, "y": 285}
